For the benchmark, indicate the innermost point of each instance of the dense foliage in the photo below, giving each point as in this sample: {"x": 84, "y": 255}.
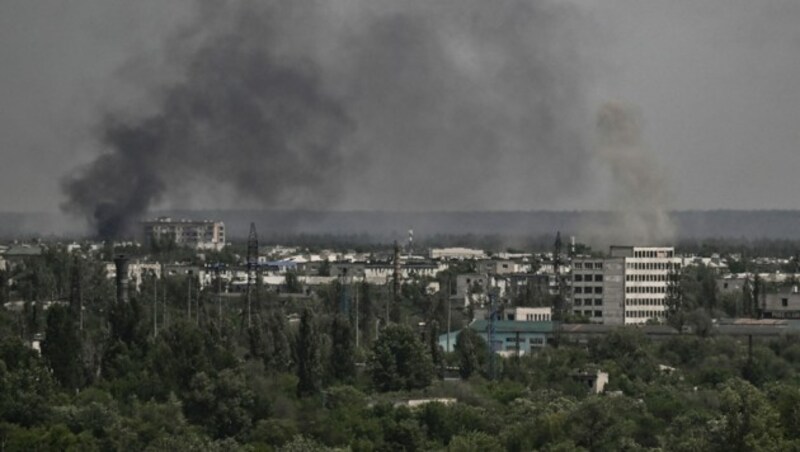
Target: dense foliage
{"x": 213, "y": 382}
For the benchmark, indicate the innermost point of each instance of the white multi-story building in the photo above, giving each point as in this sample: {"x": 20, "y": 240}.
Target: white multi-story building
{"x": 202, "y": 235}
{"x": 647, "y": 272}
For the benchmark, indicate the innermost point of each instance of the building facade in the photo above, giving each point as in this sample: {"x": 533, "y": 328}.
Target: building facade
{"x": 629, "y": 287}
{"x": 201, "y": 235}
{"x": 784, "y": 304}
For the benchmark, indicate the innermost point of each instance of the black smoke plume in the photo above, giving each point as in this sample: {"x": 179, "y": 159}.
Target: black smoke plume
{"x": 450, "y": 104}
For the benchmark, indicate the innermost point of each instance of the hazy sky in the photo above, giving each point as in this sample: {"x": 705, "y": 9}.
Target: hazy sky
{"x": 716, "y": 84}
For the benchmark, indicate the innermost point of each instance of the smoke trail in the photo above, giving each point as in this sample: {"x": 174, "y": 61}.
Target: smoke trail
{"x": 640, "y": 190}
{"x": 370, "y": 104}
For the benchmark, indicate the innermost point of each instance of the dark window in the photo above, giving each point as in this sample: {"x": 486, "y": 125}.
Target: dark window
{"x": 579, "y": 290}
{"x": 578, "y": 302}
{"x": 598, "y": 278}
{"x": 598, "y": 290}
{"x": 598, "y": 313}
{"x": 598, "y": 302}
{"x": 579, "y": 278}
{"x": 784, "y": 302}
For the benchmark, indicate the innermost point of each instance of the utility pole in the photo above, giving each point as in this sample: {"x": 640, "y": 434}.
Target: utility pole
{"x": 449, "y": 313}
{"x": 357, "y": 332}
{"x": 219, "y": 296}
{"x": 492, "y": 314}
{"x": 189, "y": 298}
{"x": 165, "y": 317}
{"x": 155, "y": 305}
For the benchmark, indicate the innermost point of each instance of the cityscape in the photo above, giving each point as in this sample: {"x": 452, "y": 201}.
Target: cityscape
{"x": 422, "y": 225}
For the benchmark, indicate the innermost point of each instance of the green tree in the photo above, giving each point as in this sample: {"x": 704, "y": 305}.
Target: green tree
{"x": 62, "y": 347}
{"x": 366, "y": 312}
{"x": 471, "y": 350}
{"x": 474, "y": 442}
{"x": 309, "y": 355}
{"x": 399, "y": 360}
{"x": 293, "y": 283}
{"x": 342, "y": 363}
{"x": 281, "y": 360}
{"x": 223, "y": 405}
{"x": 748, "y": 421}
{"x": 674, "y": 301}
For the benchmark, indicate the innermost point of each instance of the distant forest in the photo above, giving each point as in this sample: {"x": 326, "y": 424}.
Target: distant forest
{"x": 516, "y": 228}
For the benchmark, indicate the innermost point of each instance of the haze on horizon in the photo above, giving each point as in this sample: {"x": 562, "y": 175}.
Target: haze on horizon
{"x": 714, "y": 87}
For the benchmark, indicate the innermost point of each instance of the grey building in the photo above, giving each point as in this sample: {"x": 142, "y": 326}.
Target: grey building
{"x": 598, "y": 289}
{"x": 785, "y": 304}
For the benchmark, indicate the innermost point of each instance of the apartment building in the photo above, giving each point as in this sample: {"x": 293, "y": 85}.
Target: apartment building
{"x": 628, "y": 287}
{"x": 598, "y": 289}
{"x": 201, "y": 235}
{"x": 647, "y": 271}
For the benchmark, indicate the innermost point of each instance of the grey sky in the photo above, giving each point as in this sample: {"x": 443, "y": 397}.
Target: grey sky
{"x": 717, "y": 84}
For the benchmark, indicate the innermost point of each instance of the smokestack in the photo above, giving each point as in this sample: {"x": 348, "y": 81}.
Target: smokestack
{"x": 121, "y": 262}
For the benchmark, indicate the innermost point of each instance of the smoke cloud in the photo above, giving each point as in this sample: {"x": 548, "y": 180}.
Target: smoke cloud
{"x": 454, "y": 104}
{"x": 640, "y": 191}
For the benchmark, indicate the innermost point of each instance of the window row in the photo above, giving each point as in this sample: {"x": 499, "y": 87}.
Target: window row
{"x": 587, "y": 265}
{"x": 588, "y": 278}
{"x": 588, "y": 302}
{"x": 588, "y": 313}
{"x": 653, "y": 253}
{"x": 646, "y": 278}
{"x": 596, "y": 289}
{"x": 645, "y": 289}
{"x": 644, "y": 314}
{"x": 644, "y": 302}
{"x": 652, "y": 266}
{"x": 537, "y": 317}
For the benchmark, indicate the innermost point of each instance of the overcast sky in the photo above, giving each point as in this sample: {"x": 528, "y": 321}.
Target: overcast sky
{"x": 716, "y": 84}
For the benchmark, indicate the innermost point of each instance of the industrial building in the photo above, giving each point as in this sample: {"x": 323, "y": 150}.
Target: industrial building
{"x": 628, "y": 287}
{"x": 201, "y": 235}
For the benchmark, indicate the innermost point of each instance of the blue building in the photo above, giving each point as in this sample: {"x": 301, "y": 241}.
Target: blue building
{"x": 509, "y": 335}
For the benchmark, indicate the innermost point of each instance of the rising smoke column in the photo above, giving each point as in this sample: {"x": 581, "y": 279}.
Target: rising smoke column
{"x": 239, "y": 116}
{"x": 639, "y": 189}
{"x": 454, "y": 104}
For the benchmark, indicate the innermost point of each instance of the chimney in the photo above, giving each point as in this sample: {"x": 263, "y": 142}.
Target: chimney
{"x": 121, "y": 262}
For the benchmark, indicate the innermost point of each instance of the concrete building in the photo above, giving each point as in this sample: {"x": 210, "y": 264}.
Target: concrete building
{"x": 509, "y": 336}
{"x": 201, "y": 235}
{"x": 629, "y": 287}
{"x": 646, "y": 280}
{"x": 522, "y": 314}
{"x": 598, "y": 289}
{"x": 595, "y": 380}
{"x": 501, "y": 267}
{"x": 457, "y": 253}
{"x": 733, "y": 283}
{"x": 533, "y": 285}
{"x": 784, "y": 304}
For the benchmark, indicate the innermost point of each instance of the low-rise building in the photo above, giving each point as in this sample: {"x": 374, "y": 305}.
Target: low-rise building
{"x": 784, "y": 304}
{"x": 509, "y": 336}
{"x": 457, "y": 253}
{"x": 525, "y": 314}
